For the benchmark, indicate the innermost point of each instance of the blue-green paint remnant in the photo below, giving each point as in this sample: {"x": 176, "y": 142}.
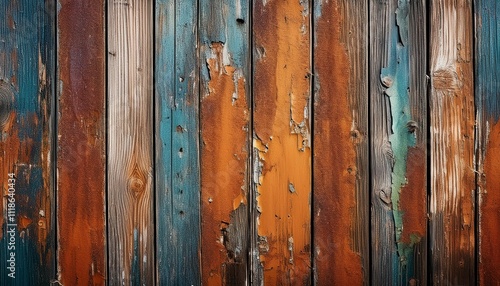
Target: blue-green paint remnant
{"x": 177, "y": 142}
{"x": 27, "y": 58}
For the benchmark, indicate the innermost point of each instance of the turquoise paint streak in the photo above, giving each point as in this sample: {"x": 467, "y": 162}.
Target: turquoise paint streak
{"x": 396, "y": 78}
{"x": 32, "y": 39}
{"x": 177, "y": 172}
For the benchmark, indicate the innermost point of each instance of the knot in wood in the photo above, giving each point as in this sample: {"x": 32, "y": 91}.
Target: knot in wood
{"x": 6, "y": 100}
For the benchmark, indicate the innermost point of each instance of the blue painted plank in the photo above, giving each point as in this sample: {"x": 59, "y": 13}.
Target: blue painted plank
{"x": 178, "y": 175}
{"x": 27, "y": 57}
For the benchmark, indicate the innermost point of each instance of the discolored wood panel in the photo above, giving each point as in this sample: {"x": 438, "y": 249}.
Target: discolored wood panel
{"x": 177, "y": 143}
{"x": 130, "y": 142}
{"x": 81, "y": 144}
{"x": 487, "y": 89}
{"x": 27, "y": 86}
{"x": 452, "y": 210}
{"x": 341, "y": 170}
{"x": 398, "y": 142}
{"x": 225, "y": 141}
{"x": 281, "y": 142}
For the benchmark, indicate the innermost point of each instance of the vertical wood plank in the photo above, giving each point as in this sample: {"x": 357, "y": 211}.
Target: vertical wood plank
{"x": 225, "y": 170}
{"x": 81, "y": 143}
{"x": 282, "y": 71}
{"x": 341, "y": 177}
{"x": 487, "y": 89}
{"x": 178, "y": 167}
{"x": 130, "y": 184}
{"x": 398, "y": 136}
{"x": 27, "y": 57}
{"x": 452, "y": 144}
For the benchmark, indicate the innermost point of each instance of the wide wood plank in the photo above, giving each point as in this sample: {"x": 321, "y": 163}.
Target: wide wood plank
{"x": 27, "y": 85}
{"x": 282, "y": 91}
{"x": 398, "y": 139}
{"x": 177, "y": 145}
{"x": 487, "y": 90}
{"x": 130, "y": 142}
{"x": 81, "y": 143}
{"x": 341, "y": 177}
{"x": 225, "y": 169}
{"x": 452, "y": 217}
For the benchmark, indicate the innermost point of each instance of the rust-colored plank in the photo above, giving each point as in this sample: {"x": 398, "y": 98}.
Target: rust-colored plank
{"x": 130, "y": 143}
{"x": 341, "y": 177}
{"x": 81, "y": 143}
{"x": 27, "y": 93}
{"x": 282, "y": 141}
{"x": 487, "y": 90}
{"x": 452, "y": 144}
{"x": 225, "y": 115}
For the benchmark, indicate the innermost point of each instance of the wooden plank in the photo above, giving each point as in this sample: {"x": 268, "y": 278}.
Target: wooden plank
{"x": 398, "y": 136}
{"x": 225, "y": 170}
{"x": 177, "y": 148}
{"x": 27, "y": 57}
{"x": 341, "y": 177}
{"x": 487, "y": 55}
{"x": 452, "y": 144}
{"x": 81, "y": 143}
{"x": 130, "y": 142}
{"x": 282, "y": 86}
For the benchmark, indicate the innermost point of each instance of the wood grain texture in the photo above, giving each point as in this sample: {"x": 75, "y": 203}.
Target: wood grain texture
{"x": 398, "y": 110}
{"x": 130, "y": 142}
{"x": 282, "y": 88}
{"x": 177, "y": 147}
{"x": 27, "y": 57}
{"x": 81, "y": 144}
{"x": 452, "y": 144}
{"x": 487, "y": 89}
{"x": 225, "y": 170}
{"x": 341, "y": 177}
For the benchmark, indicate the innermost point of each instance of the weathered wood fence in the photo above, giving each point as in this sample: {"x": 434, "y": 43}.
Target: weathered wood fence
{"x": 233, "y": 142}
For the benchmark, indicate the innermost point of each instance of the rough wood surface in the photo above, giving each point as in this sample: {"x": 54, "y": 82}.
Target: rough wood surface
{"x": 27, "y": 58}
{"x": 225, "y": 170}
{"x": 282, "y": 87}
{"x": 487, "y": 75}
{"x": 341, "y": 177}
{"x": 452, "y": 144}
{"x": 398, "y": 136}
{"x": 177, "y": 145}
{"x": 130, "y": 138}
{"x": 81, "y": 144}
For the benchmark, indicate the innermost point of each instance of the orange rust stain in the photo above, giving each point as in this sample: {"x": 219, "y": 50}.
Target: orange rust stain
{"x": 224, "y": 155}
{"x": 335, "y": 157}
{"x": 490, "y": 212}
{"x": 413, "y": 196}
{"x": 281, "y": 93}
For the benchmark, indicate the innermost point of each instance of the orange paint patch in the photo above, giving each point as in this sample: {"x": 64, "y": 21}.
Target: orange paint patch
{"x": 224, "y": 157}
{"x": 281, "y": 94}
{"x": 490, "y": 212}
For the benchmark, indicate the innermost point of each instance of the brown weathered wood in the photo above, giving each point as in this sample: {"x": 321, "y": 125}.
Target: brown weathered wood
{"x": 281, "y": 86}
{"x": 81, "y": 144}
{"x": 224, "y": 121}
{"x": 130, "y": 135}
{"x": 341, "y": 177}
{"x": 452, "y": 144}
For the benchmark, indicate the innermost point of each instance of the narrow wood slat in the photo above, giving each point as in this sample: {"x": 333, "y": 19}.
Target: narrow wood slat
{"x": 487, "y": 89}
{"x": 452, "y": 144}
{"x": 225, "y": 170}
{"x": 81, "y": 144}
{"x": 341, "y": 177}
{"x": 27, "y": 57}
{"x": 177, "y": 149}
{"x": 282, "y": 72}
{"x": 398, "y": 136}
{"x": 130, "y": 135}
